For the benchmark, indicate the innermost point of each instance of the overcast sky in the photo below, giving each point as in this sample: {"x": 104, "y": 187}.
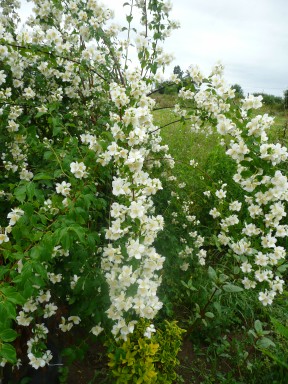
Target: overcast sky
{"x": 250, "y": 37}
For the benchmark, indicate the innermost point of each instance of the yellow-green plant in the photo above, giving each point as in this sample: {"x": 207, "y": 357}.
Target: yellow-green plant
{"x": 140, "y": 359}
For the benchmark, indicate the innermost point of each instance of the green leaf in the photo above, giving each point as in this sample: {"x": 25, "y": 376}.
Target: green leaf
{"x": 8, "y": 335}
{"x": 3, "y": 312}
{"x": 56, "y": 130}
{"x": 282, "y": 268}
{"x": 232, "y": 288}
{"x": 258, "y": 326}
{"x": 210, "y": 315}
{"x": 47, "y": 155}
{"x": 212, "y": 273}
{"x": 280, "y": 328}
{"x": 30, "y": 189}
{"x": 42, "y": 176}
{"x": 236, "y": 270}
{"x": 39, "y": 114}
{"x": 3, "y": 271}
{"x": 223, "y": 278}
{"x": 58, "y": 173}
{"x": 276, "y": 358}
{"x": 129, "y": 18}
{"x": 10, "y": 310}
{"x": 20, "y": 193}
{"x": 12, "y": 296}
{"x": 40, "y": 269}
{"x": 264, "y": 342}
{"x": 16, "y": 298}
{"x": 251, "y": 332}
{"x": 7, "y": 351}
{"x": 218, "y": 307}
{"x": 35, "y": 252}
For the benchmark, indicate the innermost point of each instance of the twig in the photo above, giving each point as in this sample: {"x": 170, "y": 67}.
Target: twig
{"x": 172, "y": 122}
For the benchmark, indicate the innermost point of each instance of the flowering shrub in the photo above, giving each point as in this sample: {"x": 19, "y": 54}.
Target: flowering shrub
{"x": 80, "y": 176}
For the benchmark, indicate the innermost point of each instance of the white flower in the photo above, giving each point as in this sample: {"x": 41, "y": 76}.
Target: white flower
{"x": 14, "y": 216}
{"x": 78, "y": 169}
{"x": 149, "y": 330}
{"x": 221, "y": 194}
{"x": 74, "y": 319}
{"x": 136, "y": 210}
{"x": 36, "y": 362}
{"x": 22, "y": 319}
{"x": 3, "y": 362}
{"x": 74, "y": 280}
{"x": 44, "y": 296}
{"x": 214, "y": 213}
{"x": 266, "y": 297}
{"x": 63, "y": 188}
{"x": 54, "y": 278}
{"x": 246, "y": 267}
{"x": 97, "y": 329}
{"x": 29, "y": 93}
{"x": 3, "y": 238}
{"x": 184, "y": 266}
{"x": 235, "y": 206}
{"x": 248, "y": 284}
{"x": 26, "y": 175}
{"x": 30, "y": 306}
{"x": 49, "y": 310}
{"x": 65, "y": 326}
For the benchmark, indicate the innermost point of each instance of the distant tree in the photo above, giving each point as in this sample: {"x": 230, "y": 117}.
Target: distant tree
{"x": 286, "y": 99}
{"x": 275, "y": 102}
{"x": 168, "y": 88}
{"x": 238, "y": 90}
{"x": 178, "y": 71}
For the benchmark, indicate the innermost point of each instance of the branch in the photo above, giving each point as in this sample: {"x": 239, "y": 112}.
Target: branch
{"x": 172, "y": 122}
{"x": 169, "y": 85}
{"x": 118, "y": 68}
{"x": 158, "y": 109}
{"x": 158, "y": 89}
{"x": 202, "y": 311}
{"x": 128, "y": 34}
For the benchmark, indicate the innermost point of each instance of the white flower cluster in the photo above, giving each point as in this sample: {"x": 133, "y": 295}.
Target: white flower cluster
{"x": 130, "y": 262}
{"x": 79, "y": 171}
{"x": 266, "y": 204}
{"x": 256, "y": 241}
{"x": 63, "y": 188}
{"x": 265, "y": 185}
{"x": 38, "y": 357}
{"x": 15, "y": 158}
